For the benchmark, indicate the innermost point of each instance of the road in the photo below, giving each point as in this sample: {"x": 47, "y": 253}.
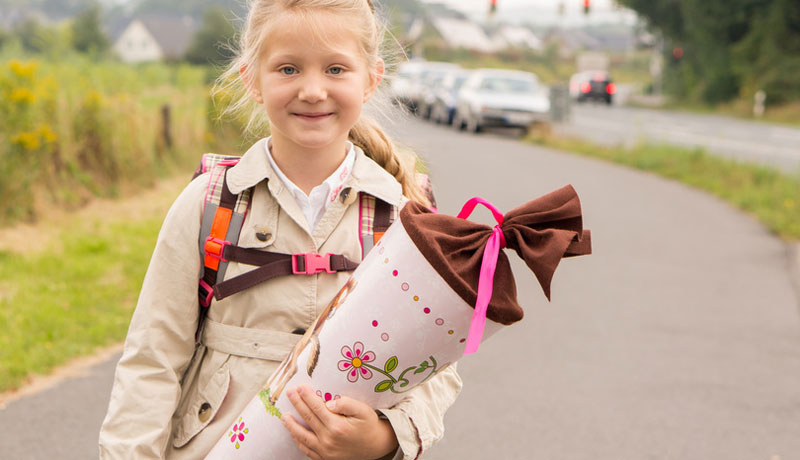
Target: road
{"x": 768, "y": 144}
{"x": 679, "y": 338}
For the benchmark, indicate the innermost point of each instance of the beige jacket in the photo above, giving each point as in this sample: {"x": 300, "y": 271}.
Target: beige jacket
{"x": 159, "y": 390}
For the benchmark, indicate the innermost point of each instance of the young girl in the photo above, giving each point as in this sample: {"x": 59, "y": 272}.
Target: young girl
{"x": 307, "y": 67}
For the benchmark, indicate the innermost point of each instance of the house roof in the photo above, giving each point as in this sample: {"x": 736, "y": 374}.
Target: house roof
{"x": 463, "y": 33}
{"x": 173, "y": 34}
{"x": 520, "y": 36}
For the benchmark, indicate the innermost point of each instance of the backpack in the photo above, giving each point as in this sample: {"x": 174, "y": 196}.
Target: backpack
{"x": 223, "y": 217}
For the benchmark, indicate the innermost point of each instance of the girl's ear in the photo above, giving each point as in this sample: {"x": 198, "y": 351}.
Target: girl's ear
{"x": 375, "y": 79}
{"x": 255, "y": 93}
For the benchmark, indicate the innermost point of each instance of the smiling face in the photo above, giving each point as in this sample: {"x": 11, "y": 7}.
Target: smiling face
{"x": 313, "y": 80}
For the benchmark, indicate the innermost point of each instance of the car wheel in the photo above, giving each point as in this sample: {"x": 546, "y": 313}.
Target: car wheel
{"x": 473, "y": 126}
{"x": 458, "y": 123}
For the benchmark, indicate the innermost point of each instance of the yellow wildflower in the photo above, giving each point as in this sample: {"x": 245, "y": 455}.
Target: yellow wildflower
{"x": 23, "y": 95}
{"x": 47, "y": 133}
{"x": 23, "y": 69}
{"x": 27, "y": 139}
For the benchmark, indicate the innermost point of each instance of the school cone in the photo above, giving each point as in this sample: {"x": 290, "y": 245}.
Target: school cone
{"x": 419, "y": 301}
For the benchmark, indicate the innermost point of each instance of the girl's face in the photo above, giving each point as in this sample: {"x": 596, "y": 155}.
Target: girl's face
{"x": 312, "y": 87}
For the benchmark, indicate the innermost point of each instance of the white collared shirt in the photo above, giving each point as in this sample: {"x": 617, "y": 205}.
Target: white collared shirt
{"x": 316, "y": 203}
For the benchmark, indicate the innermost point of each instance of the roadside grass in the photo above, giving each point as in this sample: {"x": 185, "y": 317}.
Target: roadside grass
{"x": 72, "y": 296}
{"x": 771, "y": 196}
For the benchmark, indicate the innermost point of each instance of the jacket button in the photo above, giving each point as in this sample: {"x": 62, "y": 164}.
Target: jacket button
{"x": 263, "y": 234}
{"x": 204, "y": 413}
{"x": 346, "y": 196}
{"x": 299, "y": 331}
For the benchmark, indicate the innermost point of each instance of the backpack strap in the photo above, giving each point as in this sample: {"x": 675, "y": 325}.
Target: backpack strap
{"x": 223, "y": 217}
{"x": 376, "y": 216}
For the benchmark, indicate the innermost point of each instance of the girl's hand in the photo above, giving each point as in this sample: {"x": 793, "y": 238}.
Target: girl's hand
{"x": 342, "y": 429}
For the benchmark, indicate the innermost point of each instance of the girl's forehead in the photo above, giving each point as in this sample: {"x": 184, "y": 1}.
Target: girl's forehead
{"x": 311, "y": 33}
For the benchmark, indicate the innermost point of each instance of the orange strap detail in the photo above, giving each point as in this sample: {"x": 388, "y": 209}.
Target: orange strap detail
{"x": 377, "y": 237}
{"x": 219, "y": 229}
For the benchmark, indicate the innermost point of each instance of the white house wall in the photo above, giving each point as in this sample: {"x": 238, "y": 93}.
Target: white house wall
{"x": 136, "y": 44}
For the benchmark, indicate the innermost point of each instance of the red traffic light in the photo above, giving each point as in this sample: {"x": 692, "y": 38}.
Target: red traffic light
{"x": 677, "y": 52}
{"x": 586, "y": 5}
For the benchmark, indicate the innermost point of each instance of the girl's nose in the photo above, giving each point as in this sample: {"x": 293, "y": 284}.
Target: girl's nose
{"x": 312, "y": 90}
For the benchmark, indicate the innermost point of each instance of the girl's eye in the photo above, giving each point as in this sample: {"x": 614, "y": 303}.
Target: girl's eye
{"x": 288, "y": 70}
{"x": 336, "y": 70}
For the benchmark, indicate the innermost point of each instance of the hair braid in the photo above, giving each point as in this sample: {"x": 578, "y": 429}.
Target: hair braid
{"x": 377, "y": 145}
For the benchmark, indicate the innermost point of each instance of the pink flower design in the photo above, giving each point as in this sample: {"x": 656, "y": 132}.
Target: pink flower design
{"x": 327, "y": 396}
{"x": 335, "y": 193}
{"x": 354, "y": 364}
{"x": 237, "y": 432}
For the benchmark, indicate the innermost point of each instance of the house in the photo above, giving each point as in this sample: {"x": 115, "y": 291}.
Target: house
{"x": 462, "y": 33}
{"x": 154, "y": 39}
{"x": 458, "y": 31}
{"x": 518, "y": 37}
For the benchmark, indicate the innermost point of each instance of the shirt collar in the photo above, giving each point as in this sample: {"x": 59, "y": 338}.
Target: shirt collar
{"x": 331, "y": 183}
{"x": 367, "y": 176}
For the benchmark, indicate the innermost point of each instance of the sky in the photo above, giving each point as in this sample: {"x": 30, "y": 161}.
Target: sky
{"x": 544, "y": 12}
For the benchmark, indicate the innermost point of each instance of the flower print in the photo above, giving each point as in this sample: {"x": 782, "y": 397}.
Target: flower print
{"x": 237, "y": 432}
{"x": 354, "y": 364}
{"x": 335, "y": 193}
{"x": 327, "y": 396}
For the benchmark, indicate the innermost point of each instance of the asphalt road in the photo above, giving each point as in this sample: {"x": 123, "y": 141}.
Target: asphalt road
{"x": 679, "y": 338}
{"x": 748, "y": 141}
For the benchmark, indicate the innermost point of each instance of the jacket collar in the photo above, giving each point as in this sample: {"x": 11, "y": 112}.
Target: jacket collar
{"x": 367, "y": 175}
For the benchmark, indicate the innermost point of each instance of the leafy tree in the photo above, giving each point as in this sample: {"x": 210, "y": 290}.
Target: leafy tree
{"x": 87, "y": 34}
{"x": 768, "y": 58}
{"x": 31, "y": 35}
{"x": 4, "y": 37}
{"x": 211, "y": 43}
{"x": 721, "y": 39}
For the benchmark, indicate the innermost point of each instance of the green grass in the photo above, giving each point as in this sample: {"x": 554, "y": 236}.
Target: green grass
{"x": 72, "y": 297}
{"x": 771, "y": 196}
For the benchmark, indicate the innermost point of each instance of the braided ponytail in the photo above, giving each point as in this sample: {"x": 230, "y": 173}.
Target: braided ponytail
{"x": 377, "y": 145}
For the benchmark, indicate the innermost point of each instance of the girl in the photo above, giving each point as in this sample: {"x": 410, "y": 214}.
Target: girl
{"x": 306, "y": 67}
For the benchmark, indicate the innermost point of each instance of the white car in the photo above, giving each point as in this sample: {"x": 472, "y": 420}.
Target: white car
{"x": 408, "y": 85}
{"x": 498, "y": 97}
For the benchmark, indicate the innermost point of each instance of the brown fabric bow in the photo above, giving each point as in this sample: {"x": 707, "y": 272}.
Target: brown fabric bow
{"x": 541, "y": 231}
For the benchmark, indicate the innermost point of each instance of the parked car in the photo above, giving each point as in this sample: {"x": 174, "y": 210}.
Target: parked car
{"x": 595, "y": 84}
{"x": 428, "y": 89}
{"x": 421, "y": 90}
{"x": 495, "y": 97}
{"x": 445, "y": 97}
{"x": 402, "y": 84}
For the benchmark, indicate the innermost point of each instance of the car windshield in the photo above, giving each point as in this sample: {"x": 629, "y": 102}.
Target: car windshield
{"x": 458, "y": 82}
{"x": 507, "y": 85}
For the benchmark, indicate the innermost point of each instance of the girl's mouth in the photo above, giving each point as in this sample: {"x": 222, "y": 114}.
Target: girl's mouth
{"x": 313, "y": 116}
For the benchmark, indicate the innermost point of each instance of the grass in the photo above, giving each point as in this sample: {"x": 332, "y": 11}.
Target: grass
{"x": 769, "y": 195}
{"x": 73, "y": 295}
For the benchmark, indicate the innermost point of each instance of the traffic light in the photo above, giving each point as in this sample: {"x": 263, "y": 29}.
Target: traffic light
{"x": 492, "y": 6}
{"x": 586, "y": 5}
{"x": 677, "y": 54}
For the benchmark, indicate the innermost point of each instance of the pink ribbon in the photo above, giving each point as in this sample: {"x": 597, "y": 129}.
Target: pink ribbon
{"x": 486, "y": 281}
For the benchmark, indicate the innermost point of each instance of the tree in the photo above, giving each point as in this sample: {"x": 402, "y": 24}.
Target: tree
{"x": 721, "y": 39}
{"x": 211, "y": 43}
{"x": 87, "y": 35}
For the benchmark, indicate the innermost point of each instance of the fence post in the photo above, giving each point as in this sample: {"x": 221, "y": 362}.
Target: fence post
{"x": 166, "y": 125}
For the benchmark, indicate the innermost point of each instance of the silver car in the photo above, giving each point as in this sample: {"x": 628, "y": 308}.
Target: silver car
{"x": 496, "y": 97}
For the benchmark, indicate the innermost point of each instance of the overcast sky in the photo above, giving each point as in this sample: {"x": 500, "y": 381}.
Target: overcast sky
{"x": 544, "y": 11}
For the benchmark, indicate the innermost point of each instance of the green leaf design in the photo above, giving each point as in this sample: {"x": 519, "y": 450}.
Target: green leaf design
{"x": 391, "y": 364}
{"x": 420, "y": 370}
{"x": 272, "y": 410}
{"x": 383, "y": 386}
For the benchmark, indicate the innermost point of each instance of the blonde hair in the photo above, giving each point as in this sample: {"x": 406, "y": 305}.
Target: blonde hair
{"x": 362, "y": 20}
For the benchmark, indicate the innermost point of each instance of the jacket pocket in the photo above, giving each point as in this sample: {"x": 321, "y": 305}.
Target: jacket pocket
{"x": 202, "y": 406}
